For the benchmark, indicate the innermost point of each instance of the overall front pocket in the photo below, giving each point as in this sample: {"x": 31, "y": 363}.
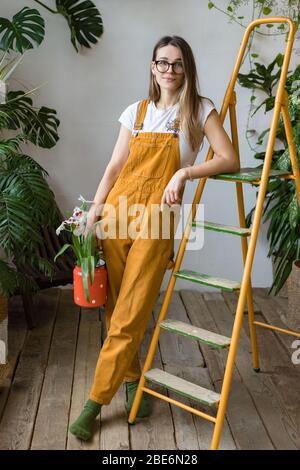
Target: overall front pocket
{"x": 149, "y": 160}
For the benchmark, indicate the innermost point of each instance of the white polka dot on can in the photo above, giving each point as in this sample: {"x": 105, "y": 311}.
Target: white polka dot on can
{"x": 101, "y": 285}
{"x": 93, "y": 301}
{"x": 77, "y": 298}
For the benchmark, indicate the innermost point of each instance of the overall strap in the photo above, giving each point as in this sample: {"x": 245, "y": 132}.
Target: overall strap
{"x": 140, "y": 115}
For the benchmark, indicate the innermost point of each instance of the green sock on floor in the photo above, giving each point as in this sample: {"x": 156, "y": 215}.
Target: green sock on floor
{"x": 83, "y": 426}
{"x": 144, "y": 409}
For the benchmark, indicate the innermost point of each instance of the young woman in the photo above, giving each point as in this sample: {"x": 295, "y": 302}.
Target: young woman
{"x": 154, "y": 156}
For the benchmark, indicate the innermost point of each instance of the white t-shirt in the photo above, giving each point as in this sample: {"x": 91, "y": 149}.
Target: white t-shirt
{"x": 158, "y": 120}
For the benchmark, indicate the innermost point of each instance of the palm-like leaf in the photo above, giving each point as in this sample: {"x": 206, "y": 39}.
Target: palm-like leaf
{"x": 9, "y": 146}
{"x": 37, "y": 263}
{"x": 13, "y": 161}
{"x": 39, "y": 127}
{"x": 26, "y": 29}
{"x": 12, "y": 281}
{"x": 18, "y": 229}
{"x": 84, "y": 21}
{"x": 28, "y": 185}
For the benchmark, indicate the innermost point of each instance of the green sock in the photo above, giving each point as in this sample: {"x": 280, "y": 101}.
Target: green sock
{"x": 144, "y": 408}
{"x": 83, "y": 426}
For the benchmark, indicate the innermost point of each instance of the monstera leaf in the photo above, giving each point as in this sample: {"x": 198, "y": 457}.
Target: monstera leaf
{"x": 84, "y": 21}
{"x": 26, "y": 28}
{"x": 40, "y": 127}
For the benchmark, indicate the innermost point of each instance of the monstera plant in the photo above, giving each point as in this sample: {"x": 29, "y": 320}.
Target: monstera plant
{"x": 27, "y": 26}
{"x": 25, "y": 197}
{"x": 26, "y": 201}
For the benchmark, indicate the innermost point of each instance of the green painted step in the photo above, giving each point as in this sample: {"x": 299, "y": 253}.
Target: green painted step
{"x": 186, "y": 329}
{"x": 242, "y": 232}
{"x": 183, "y": 387}
{"x": 249, "y": 175}
{"x": 206, "y": 280}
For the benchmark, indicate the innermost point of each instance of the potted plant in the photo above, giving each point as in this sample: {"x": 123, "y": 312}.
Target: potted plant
{"x": 27, "y": 203}
{"x": 89, "y": 274}
{"x": 281, "y": 209}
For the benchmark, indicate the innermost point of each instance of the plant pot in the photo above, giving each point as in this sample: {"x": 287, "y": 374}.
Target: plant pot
{"x": 97, "y": 290}
{"x": 3, "y": 329}
{"x": 293, "y": 287}
{"x": 3, "y": 92}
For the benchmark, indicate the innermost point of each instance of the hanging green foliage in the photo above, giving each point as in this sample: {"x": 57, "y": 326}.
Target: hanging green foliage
{"x": 281, "y": 209}
{"x": 83, "y": 18}
{"x": 23, "y": 32}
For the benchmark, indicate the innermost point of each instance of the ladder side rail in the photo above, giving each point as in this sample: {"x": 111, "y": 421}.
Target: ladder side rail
{"x": 256, "y": 223}
{"x": 196, "y": 200}
{"x": 242, "y": 223}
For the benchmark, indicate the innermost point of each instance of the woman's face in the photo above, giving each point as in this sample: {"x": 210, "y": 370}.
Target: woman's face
{"x": 168, "y": 79}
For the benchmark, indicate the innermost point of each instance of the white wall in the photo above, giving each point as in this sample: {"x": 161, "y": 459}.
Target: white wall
{"x": 89, "y": 90}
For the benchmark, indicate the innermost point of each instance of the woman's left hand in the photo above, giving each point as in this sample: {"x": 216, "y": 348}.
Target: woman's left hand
{"x": 173, "y": 189}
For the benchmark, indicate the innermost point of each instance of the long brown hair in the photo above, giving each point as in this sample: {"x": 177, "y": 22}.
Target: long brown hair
{"x": 189, "y": 98}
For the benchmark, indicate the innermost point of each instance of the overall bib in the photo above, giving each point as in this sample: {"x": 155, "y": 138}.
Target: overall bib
{"x": 135, "y": 267}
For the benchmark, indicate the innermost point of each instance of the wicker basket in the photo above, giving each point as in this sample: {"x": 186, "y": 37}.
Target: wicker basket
{"x": 4, "y": 372}
{"x": 293, "y": 287}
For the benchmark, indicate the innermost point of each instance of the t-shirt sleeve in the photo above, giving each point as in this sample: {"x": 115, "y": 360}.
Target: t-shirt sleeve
{"x": 207, "y": 107}
{"x": 128, "y": 116}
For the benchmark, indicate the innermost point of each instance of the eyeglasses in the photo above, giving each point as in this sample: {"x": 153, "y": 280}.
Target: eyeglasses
{"x": 163, "y": 66}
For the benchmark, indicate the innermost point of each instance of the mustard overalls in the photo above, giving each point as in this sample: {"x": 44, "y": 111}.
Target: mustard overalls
{"x": 135, "y": 267}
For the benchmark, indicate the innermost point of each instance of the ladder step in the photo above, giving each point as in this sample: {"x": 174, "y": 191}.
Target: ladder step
{"x": 205, "y": 336}
{"x": 240, "y": 231}
{"x": 206, "y": 280}
{"x": 183, "y": 387}
{"x": 249, "y": 175}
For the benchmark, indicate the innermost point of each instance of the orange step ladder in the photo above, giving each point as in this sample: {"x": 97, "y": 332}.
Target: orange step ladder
{"x": 260, "y": 177}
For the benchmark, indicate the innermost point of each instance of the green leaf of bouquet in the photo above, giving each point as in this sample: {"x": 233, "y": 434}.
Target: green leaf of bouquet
{"x": 85, "y": 276}
{"x": 62, "y": 250}
{"x": 91, "y": 268}
{"x": 77, "y": 249}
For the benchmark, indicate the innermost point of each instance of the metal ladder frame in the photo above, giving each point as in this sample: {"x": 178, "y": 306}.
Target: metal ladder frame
{"x": 281, "y": 105}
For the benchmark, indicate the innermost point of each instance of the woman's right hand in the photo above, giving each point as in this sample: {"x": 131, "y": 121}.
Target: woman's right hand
{"x": 92, "y": 217}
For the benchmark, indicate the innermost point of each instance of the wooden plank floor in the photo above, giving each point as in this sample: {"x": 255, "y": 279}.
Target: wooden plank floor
{"x": 52, "y": 367}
